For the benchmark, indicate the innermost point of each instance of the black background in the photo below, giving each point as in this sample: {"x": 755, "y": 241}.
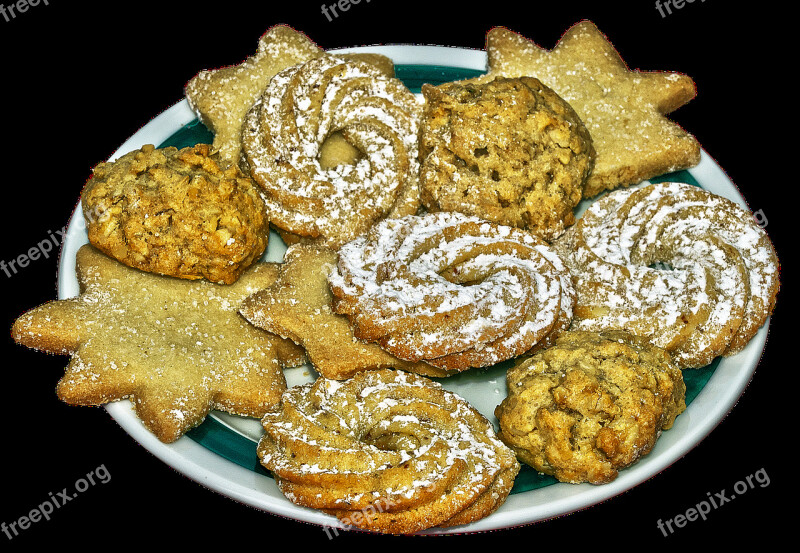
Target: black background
{"x": 78, "y": 78}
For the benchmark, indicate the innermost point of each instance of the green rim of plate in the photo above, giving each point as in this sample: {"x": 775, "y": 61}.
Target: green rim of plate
{"x": 241, "y": 450}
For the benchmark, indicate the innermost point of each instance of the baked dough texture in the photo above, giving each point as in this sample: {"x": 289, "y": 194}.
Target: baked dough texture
{"x": 452, "y": 290}
{"x": 624, "y": 109}
{"x": 590, "y": 405}
{"x": 176, "y": 213}
{"x": 386, "y": 451}
{"x": 176, "y": 348}
{"x": 298, "y": 307}
{"x": 686, "y": 268}
{"x": 222, "y": 96}
{"x": 284, "y": 131}
{"x": 510, "y": 151}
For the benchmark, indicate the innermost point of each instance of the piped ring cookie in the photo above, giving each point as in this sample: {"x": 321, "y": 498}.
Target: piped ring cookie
{"x": 387, "y": 451}
{"x": 686, "y": 268}
{"x": 452, "y": 290}
{"x": 299, "y": 110}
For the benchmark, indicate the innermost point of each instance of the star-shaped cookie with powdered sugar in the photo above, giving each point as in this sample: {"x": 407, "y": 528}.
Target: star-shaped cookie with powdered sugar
{"x": 624, "y": 109}
{"x": 176, "y": 348}
{"x": 298, "y": 307}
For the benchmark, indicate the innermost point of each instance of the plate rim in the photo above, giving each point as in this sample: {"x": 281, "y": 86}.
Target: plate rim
{"x": 214, "y": 472}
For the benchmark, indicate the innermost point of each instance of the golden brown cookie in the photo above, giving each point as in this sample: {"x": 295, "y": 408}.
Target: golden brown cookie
{"x": 510, "y": 151}
{"x": 176, "y": 348}
{"x": 386, "y": 451}
{"x": 222, "y": 96}
{"x": 298, "y": 307}
{"x": 590, "y": 405}
{"x": 284, "y": 132}
{"x": 452, "y": 290}
{"x": 176, "y": 213}
{"x": 623, "y": 109}
{"x": 686, "y": 268}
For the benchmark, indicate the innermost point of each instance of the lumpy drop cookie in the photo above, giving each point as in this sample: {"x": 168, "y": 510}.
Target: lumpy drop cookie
{"x": 177, "y": 213}
{"x": 590, "y": 405}
{"x": 510, "y": 151}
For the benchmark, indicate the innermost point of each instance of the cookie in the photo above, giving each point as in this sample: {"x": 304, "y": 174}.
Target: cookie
{"x": 688, "y": 269}
{"x": 288, "y": 124}
{"x": 590, "y": 405}
{"x": 298, "y": 307}
{"x": 176, "y": 213}
{"x": 510, "y": 151}
{"x": 176, "y": 348}
{"x": 222, "y": 96}
{"x": 624, "y": 109}
{"x": 452, "y": 290}
{"x": 386, "y": 451}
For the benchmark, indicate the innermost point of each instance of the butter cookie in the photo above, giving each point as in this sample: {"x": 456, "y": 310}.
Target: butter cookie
{"x": 452, "y": 290}
{"x": 686, "y": 268}
{"x": 298, "y": 111}
{"x": 386, "y": 451}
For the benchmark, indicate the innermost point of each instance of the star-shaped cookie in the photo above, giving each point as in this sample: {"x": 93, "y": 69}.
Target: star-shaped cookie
{"x": 623, "y": 109}
{"x": 222, "y": 96}
{"x": 176, "y": 348}
{"x": 298, "y": 307}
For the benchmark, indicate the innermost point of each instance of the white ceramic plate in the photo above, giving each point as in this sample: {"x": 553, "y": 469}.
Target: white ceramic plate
{"x": 193, "y": 457}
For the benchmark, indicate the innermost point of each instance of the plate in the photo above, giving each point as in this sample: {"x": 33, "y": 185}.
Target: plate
{"x": 220, "y": 453}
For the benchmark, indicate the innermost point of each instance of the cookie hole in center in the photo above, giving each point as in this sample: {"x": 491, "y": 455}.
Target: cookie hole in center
{"x": 336, "y": 151}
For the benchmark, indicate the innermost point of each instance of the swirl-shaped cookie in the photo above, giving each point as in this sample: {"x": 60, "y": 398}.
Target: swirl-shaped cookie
{"x": 686, "y": 268}
{"x": 286, "y": 127}
{"x": 452, "y": 290}
{"x": 387, "y": 451}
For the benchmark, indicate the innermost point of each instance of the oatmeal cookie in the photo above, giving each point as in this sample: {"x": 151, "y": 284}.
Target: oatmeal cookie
{"x": 176, "y": 213}
{"x": 510, "y": 151}
{"x": 590, "y": 405}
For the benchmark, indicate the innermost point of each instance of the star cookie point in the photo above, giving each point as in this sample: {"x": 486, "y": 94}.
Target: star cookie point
{"x": 624, "y": 109}
{"x": 176, "y": 348}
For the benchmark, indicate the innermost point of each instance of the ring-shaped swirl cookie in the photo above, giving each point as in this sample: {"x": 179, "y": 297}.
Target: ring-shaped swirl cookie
{"x": 451, "y": 289}
{"x": 304, "y": 105}
{"x": 388, "y": 451}
{"x": 689, "y": 269}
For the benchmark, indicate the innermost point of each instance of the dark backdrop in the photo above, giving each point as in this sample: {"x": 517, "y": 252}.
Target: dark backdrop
{"x": 79, "y": 78}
